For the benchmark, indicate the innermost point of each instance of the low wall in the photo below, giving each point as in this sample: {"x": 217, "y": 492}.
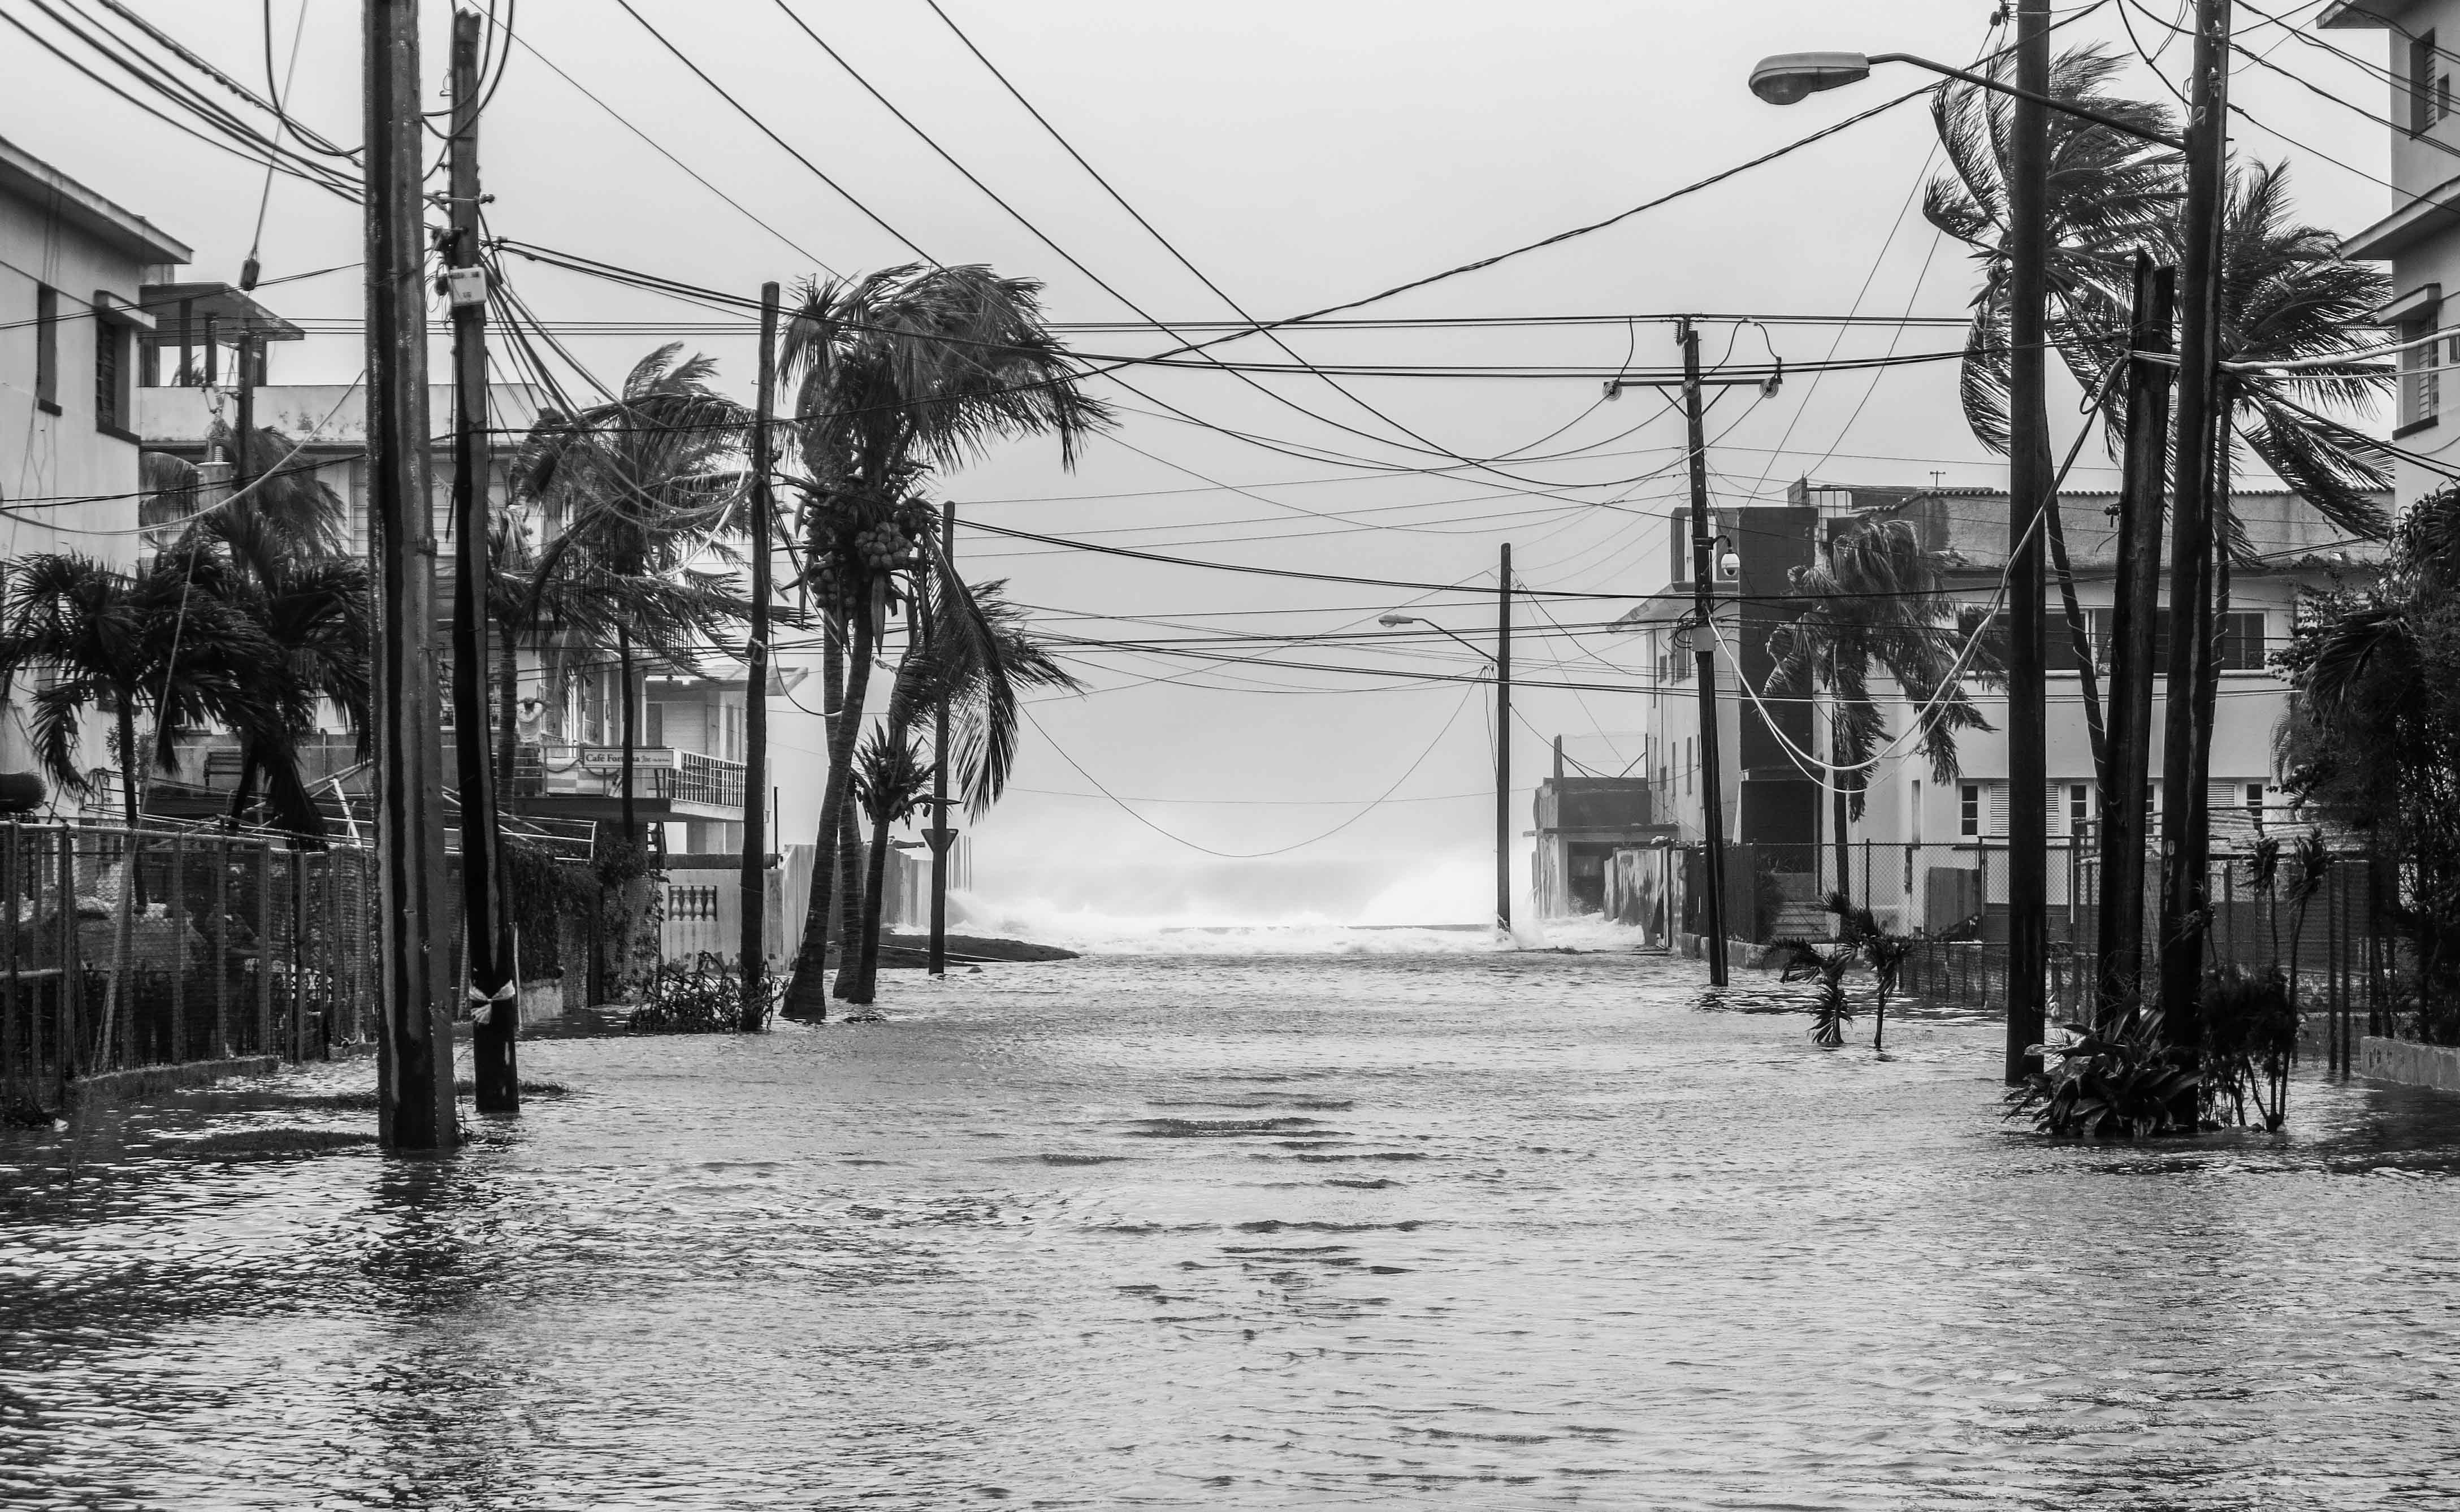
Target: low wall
{"x": 2407, "y": 1061}
{"x": 152, "y": 1081}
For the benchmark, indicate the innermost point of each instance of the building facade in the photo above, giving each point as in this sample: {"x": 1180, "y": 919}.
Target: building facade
{"x": 1915, "y": 823}
{"x": 2419, "y": 237}
{"x": 73, "y": 268}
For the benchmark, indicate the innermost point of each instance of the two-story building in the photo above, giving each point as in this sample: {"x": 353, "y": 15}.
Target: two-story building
{"x": 1913, "y": 823}
{"x": 2419, "y": 237}
{"x": 73, "y": 268}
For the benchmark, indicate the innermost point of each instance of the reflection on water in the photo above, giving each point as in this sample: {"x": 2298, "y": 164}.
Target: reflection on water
{"x": 1490, "y": 1230}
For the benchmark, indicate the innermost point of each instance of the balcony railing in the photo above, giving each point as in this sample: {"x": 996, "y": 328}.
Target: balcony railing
{"x": 658, "y": 772}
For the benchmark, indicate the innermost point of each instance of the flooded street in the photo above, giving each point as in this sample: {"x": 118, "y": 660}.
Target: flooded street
{"x": 1474, "y": 1230}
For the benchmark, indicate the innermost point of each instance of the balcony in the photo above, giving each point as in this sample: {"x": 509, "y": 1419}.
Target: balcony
{"x": 588, "y": 781}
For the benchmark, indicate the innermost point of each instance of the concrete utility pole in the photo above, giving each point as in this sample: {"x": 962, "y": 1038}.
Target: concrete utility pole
{"x": 1503, "y": 742}
{"x": 2185, "y": 886}
{"x": 414, "y": 1108}
{"x": 486, "y": 919}
{"x": 752, "y": 948}
{"x": 2135, "y": 599}
{"x": 940, "y": 834}
{"x": 1703, "y": 604}
{"x": 2029, "y": 502}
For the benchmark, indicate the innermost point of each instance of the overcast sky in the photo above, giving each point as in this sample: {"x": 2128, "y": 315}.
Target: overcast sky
{"x": 1301, "y": 155}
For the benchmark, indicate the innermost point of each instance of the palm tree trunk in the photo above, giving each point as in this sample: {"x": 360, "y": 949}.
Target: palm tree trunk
{"x": 807, "y": 995}
{"x": 247, "y": 788}
{"x": 860, "y": 958}
{"x": 128, "y": 761}
{"x": 508, "y": 709}
{"x": 2081, "y": 637}
{"x": 624, "y": 678}
{"x": 851, "y": 863}
{"x": 833, "y": 854}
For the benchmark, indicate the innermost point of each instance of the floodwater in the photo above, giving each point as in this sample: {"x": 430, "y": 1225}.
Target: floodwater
{"x": 1469, "y": 1230}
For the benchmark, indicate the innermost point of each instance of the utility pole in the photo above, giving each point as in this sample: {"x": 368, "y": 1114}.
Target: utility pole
{"x": 940, "y": 834}
{"x": 1503, "y": 743}
{"x": 2135, "y": 599}
{"x": 2185, "y": 886}
{"x": 2028, "y": 500}
{"x": 486, "y": 921}
{"x": 244, "y": 412}
{"x": 1703, "y": 604}
{"x": 414, "y": 1108}
{"x": 752, "y": 945}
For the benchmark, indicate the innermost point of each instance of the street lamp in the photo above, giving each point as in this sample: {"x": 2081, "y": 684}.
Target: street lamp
{"x": 1787, "y": 78}
{"x": 1502, "y": 657}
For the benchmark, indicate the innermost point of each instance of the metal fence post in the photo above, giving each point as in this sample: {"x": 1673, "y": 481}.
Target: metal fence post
{"x": 265, "y": 1045}
{"x": 298, "y": 954}
{"x": 181, "y": 1039}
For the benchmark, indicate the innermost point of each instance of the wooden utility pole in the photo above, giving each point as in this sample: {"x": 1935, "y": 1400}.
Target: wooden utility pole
{"x": 753, "y": 946}
{"x": 2185, "y": 886}
{"x": 2029, "y": 499}
{"x": 415, "y": 1108}
{"x": 486, "y": 918}
{"x": 1503, "y": 743}
{"x": 1703, "y": 604}
{"x": 940, "y": 834}
{"x": 2135, "y": 600}
{"x": 244, "y": 412}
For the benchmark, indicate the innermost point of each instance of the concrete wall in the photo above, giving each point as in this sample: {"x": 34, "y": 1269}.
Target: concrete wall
{"x": 2409, "y": 1063}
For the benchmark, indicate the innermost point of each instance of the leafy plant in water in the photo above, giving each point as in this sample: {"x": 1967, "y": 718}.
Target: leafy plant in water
{"x": 1831, "y": 1010}
{"x": 702, "y": 998}
{"x": 2120, "y": 1084}
{"x": 2250, "y": 1038}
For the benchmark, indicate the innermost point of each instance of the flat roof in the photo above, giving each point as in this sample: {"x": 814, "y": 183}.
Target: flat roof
{"x": 25, "y": 177}
{"x": 225, "y": 302}
{"x": 2349, "y": 15}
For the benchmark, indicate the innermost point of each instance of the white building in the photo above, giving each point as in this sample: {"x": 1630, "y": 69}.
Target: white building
{"x": 1906, "y": 805}
{"x": 2420, "y": 238}
{"x": 71, "y": 263}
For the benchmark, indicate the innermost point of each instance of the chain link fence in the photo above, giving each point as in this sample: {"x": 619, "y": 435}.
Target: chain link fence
{"x": 122, "y": 950}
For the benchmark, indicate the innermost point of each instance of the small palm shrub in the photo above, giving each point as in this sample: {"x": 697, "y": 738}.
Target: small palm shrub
{"x": 2250, "y": 1039}
{"x": 2122, "y": 1083}
{"x": 1831, "y": 1010}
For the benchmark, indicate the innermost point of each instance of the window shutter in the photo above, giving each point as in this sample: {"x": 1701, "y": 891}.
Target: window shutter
{"x": 653, "y": 725}
{"x": 1997, "y": 797}
{"x": 2226, "y": 794}
{"x": 2054, "y": 807}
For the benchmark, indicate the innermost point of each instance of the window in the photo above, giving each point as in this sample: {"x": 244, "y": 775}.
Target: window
{"x": 2254, "y": 792}
{"x": 47, "y": 349}
{"x": 653, "y": 725}
{"x": 2079, "y": 807}
{"x": 1678, "y": 532}
{"x": 1691, "y": 765}
{"x": 1914, "y": 814}
{"x": 2421, "y": 385}
{"x": 2241, "y": 648}
{"x": 111, "y": 398}
{"x": 2423, "y": 84}
{"x": 1968, "y": 820}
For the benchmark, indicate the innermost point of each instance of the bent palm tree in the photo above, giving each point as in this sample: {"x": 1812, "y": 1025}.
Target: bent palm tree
{"x": 897, "y": 373}
{"x": 1878, "y": 603}
{"x": 978, "y": 659}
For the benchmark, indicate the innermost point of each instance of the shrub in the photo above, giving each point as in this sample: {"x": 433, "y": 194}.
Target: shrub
{"x": 2121, "y": 1084}
{"x": 2250, "y": 1038}
{"x": 705, "y": 997}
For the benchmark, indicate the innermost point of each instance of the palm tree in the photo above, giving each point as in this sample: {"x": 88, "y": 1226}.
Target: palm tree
{"x": 2107, "y": 195}
{"x": 1878, "y": 603}
{"x": 2369, "y": 737}
{"x": 567, "y": 607}
{"x": 891, "y": 782}
{"x": 639, "y": 486}
{"x": 897, "y": 373}
{"x": 164, "y": 640}
{"x": 979, "y": 662}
